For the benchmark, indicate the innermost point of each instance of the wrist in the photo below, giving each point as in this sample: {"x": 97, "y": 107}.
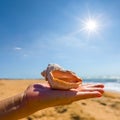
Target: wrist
{"x": 11, "y": 108}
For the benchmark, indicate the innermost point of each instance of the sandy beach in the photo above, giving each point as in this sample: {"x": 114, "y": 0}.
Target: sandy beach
{"x": 104, "y": 108}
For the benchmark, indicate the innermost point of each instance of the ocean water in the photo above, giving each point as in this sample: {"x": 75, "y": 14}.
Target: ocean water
{"x": 110, "y": 84}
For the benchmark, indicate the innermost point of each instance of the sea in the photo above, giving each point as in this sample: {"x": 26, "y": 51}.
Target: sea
{"x": 110, "y": 84}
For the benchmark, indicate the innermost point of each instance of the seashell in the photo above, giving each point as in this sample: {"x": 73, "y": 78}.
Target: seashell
{"x": 58, "y": 78}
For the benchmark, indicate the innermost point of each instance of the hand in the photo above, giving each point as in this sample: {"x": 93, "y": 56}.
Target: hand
{"x": 40, "y": 96}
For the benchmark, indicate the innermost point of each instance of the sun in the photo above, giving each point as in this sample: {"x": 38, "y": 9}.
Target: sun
{"x": 90, "y": 25}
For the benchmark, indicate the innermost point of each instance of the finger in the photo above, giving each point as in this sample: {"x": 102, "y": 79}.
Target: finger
{"x": 95, "y": 85}
{"x": 93, "y": 89}
{"x": 86, "y": 84}
{"x": 86, "y": 95}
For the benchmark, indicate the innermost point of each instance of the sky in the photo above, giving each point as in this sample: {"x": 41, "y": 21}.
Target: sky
{"x": 34, "y": 33}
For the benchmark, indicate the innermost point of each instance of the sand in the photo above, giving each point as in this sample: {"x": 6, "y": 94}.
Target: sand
{"x": 104, "y": 108}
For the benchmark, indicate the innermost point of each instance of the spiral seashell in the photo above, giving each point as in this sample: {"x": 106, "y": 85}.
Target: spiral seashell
{"x": 58, "y": 78}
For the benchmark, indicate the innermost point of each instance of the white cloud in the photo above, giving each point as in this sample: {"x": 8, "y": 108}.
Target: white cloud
{"x": 17, "y": 48}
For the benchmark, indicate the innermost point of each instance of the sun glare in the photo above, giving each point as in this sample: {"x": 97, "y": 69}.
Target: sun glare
{"x": 90, "y": 26}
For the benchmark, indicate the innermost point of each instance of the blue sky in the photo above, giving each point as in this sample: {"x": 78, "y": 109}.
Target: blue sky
{"x": 34, "y": 33}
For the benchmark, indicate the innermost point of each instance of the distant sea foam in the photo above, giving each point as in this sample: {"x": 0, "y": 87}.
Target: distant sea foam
{"x": 110, "y": 84}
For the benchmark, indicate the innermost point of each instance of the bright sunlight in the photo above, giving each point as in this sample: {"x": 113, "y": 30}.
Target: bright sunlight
{"x": 90, "y": 26}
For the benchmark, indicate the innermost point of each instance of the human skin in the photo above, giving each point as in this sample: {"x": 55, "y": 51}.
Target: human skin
{"x": 39, "y": 96}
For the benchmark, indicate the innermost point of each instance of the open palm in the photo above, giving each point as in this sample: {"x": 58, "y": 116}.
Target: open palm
{"x": 40, "y": 96}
